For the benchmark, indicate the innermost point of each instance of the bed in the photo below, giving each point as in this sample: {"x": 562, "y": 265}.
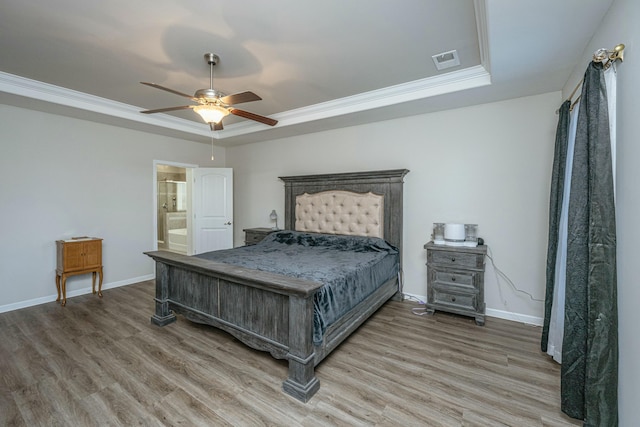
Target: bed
{"x": 273, "y": 310}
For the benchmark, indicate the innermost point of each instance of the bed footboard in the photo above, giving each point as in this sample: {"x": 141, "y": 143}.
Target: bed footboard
{"x": 265, "y": 311}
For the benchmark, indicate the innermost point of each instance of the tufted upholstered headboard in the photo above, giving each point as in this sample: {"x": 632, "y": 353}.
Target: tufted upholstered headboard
{"x": 340, "y": 212}
{"x": 385, "y": 184}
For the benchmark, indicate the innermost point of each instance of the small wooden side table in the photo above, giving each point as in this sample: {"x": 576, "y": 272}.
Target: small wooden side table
{"x": 255, "y": 235}
{"x": 78, "y": 255}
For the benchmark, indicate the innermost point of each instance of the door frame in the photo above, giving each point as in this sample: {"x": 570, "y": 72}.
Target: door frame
{"x": 155, "y": 194}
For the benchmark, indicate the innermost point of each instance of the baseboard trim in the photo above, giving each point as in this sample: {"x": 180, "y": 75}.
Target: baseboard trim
{"x": 75, "y": 293}
{"x": 516, "y": 317}
{"x": 490, "y": 312}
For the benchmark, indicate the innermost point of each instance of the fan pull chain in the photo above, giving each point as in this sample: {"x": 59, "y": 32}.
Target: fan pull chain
{"x": 212, "y": 158}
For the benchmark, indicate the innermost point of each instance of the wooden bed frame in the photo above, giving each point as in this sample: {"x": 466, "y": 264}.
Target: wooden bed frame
{"x": 271, "y": 312}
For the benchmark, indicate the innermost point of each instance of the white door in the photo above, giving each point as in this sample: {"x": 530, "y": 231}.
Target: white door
{"x": 211, "y": 209}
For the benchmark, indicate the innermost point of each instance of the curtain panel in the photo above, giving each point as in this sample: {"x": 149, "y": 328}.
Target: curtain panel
{"x": 555, "y": 208}
{"x": 589, "y": 373}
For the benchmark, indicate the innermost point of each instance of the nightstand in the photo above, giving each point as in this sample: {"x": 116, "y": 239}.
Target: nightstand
{"x": 255, "y": 235}
{"x": 78, "y": 255}
{"x": 455, "y": 280}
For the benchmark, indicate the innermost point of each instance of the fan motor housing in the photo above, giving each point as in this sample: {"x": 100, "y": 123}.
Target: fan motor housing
{"x": 211, "y": 58}
{"x": 210, "y": 95}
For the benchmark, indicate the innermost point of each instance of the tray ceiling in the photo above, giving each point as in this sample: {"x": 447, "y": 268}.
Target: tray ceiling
{"x": 317, "y": 65}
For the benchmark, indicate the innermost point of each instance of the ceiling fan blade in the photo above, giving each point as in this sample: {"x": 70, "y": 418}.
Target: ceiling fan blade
{"x": 162, "y": 110}
{"x": 252, "y": 116}
{"x": 239, "y": 98}
{"x": 157, "y": 86}
{"x": 216, "y": 126}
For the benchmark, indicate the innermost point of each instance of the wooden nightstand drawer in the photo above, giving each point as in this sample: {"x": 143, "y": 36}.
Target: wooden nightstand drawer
{"x": 457, "y": 259}
{"x": 459, "y": 301}
{"x": 255, "y": 235}
{"x": 456, "y": 278}
{"x": 253, "y": 238}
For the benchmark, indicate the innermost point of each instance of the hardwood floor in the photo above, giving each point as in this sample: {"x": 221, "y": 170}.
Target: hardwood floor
{"x": 101, "y": 362}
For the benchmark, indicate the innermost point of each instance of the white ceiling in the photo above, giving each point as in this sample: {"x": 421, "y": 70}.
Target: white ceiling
{"x": 317, "y": 65}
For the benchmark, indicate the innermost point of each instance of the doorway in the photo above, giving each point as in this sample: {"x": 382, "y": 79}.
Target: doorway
{"x": 171, "y": 208}
{"x": 193, "y": 208}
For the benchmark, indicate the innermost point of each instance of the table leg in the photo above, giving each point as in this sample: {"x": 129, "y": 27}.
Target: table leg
{"x": 58, "y": 286}
{"x": 64, "y": 290}
{"x": 100, "y": 283}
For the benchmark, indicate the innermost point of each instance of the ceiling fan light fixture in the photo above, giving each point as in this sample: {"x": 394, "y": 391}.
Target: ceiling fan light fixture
{"x": 214, "y": 105}
{"x": 211, "y": 113}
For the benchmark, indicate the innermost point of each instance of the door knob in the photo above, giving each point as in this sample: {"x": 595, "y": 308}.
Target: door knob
{"x": 227, "y": 223}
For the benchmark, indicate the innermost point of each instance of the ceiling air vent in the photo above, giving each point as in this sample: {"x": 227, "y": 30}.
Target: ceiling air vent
{"x": 446, "y": 59}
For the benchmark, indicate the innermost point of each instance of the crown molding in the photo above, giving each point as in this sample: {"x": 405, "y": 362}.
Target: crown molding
{"x": 467, "y": 78}
{"x": 483, "y": 33}
{"x": 40, "y": 91}
{"x": 418, "y": 89}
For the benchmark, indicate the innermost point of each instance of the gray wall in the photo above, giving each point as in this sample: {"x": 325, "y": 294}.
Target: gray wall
{"x": 488, "y": 164}
{"x": 63, "y": 177}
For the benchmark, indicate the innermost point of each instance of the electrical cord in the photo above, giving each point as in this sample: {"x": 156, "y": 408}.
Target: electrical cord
{"x": 421, "y": 311}
{"x": 418, "y": 311}
{"x": 413, "y": 298}
{"x": 506, "y": 278}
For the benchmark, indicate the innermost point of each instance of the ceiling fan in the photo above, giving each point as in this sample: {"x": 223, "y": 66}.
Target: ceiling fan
{"x": 213, "y": 105}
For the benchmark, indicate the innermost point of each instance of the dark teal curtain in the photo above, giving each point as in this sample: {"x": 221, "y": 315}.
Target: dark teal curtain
{"x": 555, "y": 208}
{"x": 589, "y": 374}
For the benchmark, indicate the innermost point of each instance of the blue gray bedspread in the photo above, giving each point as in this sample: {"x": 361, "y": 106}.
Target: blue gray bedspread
{"x": 349, "y": 267}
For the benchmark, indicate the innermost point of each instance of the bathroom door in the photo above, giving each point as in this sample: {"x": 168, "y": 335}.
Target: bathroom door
{"x": 211, "y": 209}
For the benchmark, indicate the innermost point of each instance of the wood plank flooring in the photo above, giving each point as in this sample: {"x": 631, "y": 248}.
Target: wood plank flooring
{"x": 101, "y": 362}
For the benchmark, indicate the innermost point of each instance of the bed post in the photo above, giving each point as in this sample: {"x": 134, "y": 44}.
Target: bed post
{"x": 163, "y": 315}
{"x": 302, "y": 382}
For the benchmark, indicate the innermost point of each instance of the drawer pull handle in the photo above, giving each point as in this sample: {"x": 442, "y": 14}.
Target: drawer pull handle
{"x": 453, "y": 260}
{"x": 453, "y": 299}
{"x": 453, "y": 278}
